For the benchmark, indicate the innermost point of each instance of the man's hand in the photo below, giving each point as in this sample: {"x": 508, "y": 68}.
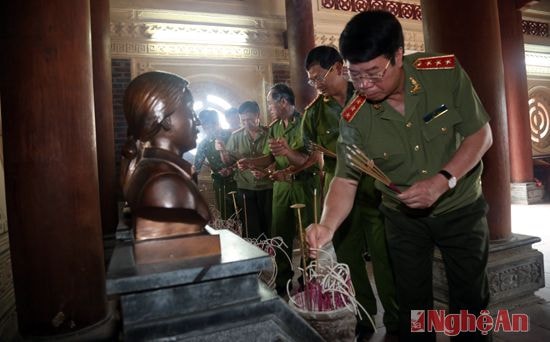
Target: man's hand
{"x": 226, "y": 171}
{"x": 257, "y": 174}
{"x": 424, "y": 193}
{"x": 279, "y": 147}
{"x": 219, "y": 145}
{"x": 317, "y": 235}
{"x": 244, "y": 164}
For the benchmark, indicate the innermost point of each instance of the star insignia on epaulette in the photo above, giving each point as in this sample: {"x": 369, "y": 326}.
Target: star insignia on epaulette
{"x": 349, "y": 112}
{"x": 435, "y": 63}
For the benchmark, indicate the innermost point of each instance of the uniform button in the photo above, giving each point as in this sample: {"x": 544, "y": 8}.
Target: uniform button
{"x": 409, "y": 124}
{"x": 444, "y": 129}
{"x": 417, "y": 148}
{"x": 328, "y": 132}
{"x": 385, "y": 155}
{"x": 424, "y": 172}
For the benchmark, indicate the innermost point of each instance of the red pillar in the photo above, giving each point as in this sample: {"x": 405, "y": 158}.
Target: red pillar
{"x": 50, "y": 166}
{"x": 300, "y": 37}
{"x": 515, "y": 76}
{"x": 103, "y": 101}
{"x": 470, "y": 30}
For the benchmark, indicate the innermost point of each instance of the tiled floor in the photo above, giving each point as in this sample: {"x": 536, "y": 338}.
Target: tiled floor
{"x": 529, "y": 220}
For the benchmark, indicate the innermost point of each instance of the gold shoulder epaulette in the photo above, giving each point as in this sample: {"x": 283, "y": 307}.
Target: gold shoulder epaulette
{"x": 238, "y": 130}
{"x": 435, "y": 63}
{"x": 353, "y": 107}
{"x": 313, "y": 102}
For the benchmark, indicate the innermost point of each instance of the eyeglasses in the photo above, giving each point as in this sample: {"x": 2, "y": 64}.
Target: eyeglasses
{"x": 360, "y": 79}
{"x": 317, "y": 80}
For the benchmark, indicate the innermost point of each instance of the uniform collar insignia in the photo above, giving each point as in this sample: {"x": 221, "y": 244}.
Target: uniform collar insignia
{"x": 415, "y": 86}
{"x": 353, "y": 107}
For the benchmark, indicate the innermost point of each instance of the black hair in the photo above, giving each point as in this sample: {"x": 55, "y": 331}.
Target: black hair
{"x": 323, "y": 55}
{"x": 249, "y": 107}
{"x": 371, "y": 34}
{"x": 282, "y": 91}
{"x": 209, "y": 116}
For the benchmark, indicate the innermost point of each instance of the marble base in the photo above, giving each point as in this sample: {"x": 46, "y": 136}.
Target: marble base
{"x": 205, "y": 299}
{"x": 526, "y": 193}
{"x": 515, "y": 270}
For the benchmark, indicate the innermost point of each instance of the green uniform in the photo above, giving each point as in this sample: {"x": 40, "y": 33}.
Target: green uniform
{"x": 415, "y": 146}
{"x": 257, "y": 193}
{"x": 364, "y": 226}
{"x": 298, "y": 190}
{"x": 221, "y": 184}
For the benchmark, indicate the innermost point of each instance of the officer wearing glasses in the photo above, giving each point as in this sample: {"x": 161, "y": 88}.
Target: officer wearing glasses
{"x": 364, "y": 226}
{"x": 419, "y": 119}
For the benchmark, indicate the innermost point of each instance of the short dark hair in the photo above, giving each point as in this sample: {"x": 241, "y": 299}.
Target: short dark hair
{"x": 371, "y": 34}
{"x": 282, "y": 91}
{"x": 209, "y": 117}
{"x": 249, "y": 107}
{"x": 323, "y": 55}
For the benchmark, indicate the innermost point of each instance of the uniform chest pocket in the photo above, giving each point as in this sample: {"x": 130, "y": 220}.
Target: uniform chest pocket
{"x": 328, "y": 136}
{"x": 442, "y": 125}
{"x": 388, "y": 158}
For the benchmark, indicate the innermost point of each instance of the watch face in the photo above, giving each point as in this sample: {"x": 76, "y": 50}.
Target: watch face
{"x": 452, "y": 182}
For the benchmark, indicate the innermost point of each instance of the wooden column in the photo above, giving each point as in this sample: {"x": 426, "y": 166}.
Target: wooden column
{"x": 470, "y": 30}
{"x": 51, "y": 166}
{"x": 103, "y": 101}
{"x": 515, "y": 76}
{"x": 300, "y": 38}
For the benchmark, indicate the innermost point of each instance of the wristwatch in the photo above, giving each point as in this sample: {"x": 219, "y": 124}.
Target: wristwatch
{"x": 450, "y": 178}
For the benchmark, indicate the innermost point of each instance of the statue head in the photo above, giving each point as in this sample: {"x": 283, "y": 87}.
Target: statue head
{"x": 158, "y": 108}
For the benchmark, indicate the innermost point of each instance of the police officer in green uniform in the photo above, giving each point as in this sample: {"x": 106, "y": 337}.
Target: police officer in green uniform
{"x": 364, "y": 226}
{"x": 209, "y": 149}
{"x": 420, "y": 120}
{"x": 255, "y": 189}
{"x": 286, "y": 149}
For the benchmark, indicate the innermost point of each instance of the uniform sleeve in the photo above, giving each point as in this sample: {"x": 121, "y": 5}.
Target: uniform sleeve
{"x": 468, "y": 104}
{"x": 307, "y": 126}
{"x": 349, "y": 135}
{"x": 200, "y": 156}
{"x": 232, "y": 145}
{"x": 270, "y": 135}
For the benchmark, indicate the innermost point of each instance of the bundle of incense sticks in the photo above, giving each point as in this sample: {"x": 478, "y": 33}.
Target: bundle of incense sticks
{"x": 319, "y": 148}
{"x": 361, "y": 162}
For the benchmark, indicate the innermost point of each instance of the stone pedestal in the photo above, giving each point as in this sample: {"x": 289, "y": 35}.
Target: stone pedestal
{"x": 526, "y": 193}
{"x": 515, "y": 271}
{"x": 207, "y": 299}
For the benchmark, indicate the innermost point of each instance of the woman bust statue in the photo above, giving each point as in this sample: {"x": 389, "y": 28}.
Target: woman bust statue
{"x": 156, "y": 180}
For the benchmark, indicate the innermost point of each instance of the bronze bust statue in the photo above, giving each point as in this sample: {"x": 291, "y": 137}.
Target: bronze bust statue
{"x": 164, "y": 201}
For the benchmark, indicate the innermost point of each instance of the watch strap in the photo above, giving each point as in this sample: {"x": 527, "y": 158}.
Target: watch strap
{"x": 446, "y": 174}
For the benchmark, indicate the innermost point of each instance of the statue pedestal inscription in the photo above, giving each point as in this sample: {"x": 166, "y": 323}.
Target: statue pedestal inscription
{"x": 210, "y": 298}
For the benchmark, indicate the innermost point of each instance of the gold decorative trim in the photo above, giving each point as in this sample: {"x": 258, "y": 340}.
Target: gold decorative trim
{"x": 134, "y": 49}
